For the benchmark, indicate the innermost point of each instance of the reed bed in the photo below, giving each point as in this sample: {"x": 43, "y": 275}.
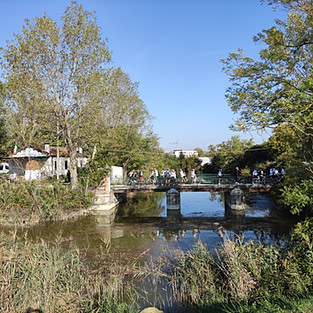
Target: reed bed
{"x": 37, "y": 277}
{"x": 237, "y": 276}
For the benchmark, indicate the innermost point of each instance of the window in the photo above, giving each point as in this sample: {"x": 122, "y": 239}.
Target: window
{"x": 66, "y": 164}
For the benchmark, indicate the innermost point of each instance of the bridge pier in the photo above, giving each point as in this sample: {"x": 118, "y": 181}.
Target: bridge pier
{"x": 235, "y": 200}
{"x": 173, "y": 199}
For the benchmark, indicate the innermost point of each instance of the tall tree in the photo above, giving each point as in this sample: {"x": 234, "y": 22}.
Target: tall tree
{"x": 54, "y": 75}
{"x": 124, "y": 127}
{"x": 3, "y": 132}
{"x": 277, "y": 88}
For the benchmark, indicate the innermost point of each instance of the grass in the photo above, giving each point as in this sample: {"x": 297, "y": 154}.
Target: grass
{"x": 42, "y": 277}
{"x": 240, "y": 277}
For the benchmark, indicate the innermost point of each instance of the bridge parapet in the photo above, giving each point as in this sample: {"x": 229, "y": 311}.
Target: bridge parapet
{"x": 190, "y": 187}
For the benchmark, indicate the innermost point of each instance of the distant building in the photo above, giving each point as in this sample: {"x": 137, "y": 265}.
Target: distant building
{"x": 186, "y": 153}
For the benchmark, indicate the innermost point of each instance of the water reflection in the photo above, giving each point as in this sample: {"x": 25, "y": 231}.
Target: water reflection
{"x": 143, "y": 227}
{"x": 195, "y": 204}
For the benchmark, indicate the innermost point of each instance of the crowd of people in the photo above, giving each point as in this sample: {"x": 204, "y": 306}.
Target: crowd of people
{"x": 170, "y": 177}
{"x": 165, "y": 177}
{"x": 275, "y": 175}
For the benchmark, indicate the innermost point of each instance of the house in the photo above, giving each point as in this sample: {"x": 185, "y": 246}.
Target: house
{"x": 39, "y": 162}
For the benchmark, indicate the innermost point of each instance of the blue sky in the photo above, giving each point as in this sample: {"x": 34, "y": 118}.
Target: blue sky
{"x": 172, "y": 48}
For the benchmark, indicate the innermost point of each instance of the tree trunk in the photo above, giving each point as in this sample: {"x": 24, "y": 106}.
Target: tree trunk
{"x": 73, "y": 170}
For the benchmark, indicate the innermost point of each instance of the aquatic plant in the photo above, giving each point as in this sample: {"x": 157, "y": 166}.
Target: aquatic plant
{"x": 46, "y": 278}
{"x": 237, "y": 272}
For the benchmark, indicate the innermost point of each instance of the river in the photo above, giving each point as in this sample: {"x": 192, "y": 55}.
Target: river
{"x": 143, "y": 227}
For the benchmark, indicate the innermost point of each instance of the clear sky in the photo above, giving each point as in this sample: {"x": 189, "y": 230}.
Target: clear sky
{"x": 172, "y": 48}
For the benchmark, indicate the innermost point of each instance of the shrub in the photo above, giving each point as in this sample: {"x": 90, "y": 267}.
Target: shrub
{"x": 22, "y": 201}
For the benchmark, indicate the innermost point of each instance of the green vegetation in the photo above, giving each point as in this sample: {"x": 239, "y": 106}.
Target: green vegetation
{"x": 26, "y": 202}
{"x": 51, "y": 94}
{"x": 60, "y": 87}
{"x": 275, "y": 91}
{"x": 42, "y": 277}
{"x": 241, "y": 277}
{"x": 250, "y": 277}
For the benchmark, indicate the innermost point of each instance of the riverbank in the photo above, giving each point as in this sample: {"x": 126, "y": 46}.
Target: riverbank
{"x": 245, "y": 277}
{"x": 29, "y": 203}
{"x": 42, "y": 277}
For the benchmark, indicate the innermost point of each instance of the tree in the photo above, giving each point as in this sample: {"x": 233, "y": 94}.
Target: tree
{"x": 54, "y": 75}
{"x": 212, "y": 150}
{"x": 230, "y": 153}
{"x": 124, "y": 135}
{"x": 3, "y": 132}
{"x": 200, "y": 152}
{"x": 277, "y": 88}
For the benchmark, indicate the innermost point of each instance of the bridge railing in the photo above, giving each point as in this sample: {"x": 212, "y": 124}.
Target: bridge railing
{"x": 200, "y": 179}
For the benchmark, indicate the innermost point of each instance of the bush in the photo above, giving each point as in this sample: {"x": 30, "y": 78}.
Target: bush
{"x": 22, "y": 201}
{"x": 298, "y": 197}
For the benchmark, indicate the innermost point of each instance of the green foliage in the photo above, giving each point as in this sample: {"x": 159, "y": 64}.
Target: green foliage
{"x": 94, "y": 172}
{"x": 299, "y": 197}
{"x": 301, "y": 245}
{"x": 276, "y": 89}
{"x": 28, "y": 201}
{"x": 229, "y": 154}
{"x": 60, "y": 84}
{"x": 187, "y": 164}
{"x": 123, "y": 135}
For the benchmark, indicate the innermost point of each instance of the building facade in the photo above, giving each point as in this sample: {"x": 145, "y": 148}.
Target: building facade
{"x": 43, "y": 162}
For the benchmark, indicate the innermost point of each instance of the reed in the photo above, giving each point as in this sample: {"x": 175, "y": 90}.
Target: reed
{"x": 47, "y": 278}
{"x": 237, "y": 275}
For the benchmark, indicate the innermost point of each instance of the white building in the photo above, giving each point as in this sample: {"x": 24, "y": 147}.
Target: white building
{"x": 42, "y": 162}
{"x": 186, "y": 153}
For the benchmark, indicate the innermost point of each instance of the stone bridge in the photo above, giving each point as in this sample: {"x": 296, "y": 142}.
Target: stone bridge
{"x": 234, "y": 192}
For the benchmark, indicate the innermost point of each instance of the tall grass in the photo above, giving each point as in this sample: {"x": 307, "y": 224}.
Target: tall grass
{"x": 238, "y": 273}
{"x": 46, "y": 278}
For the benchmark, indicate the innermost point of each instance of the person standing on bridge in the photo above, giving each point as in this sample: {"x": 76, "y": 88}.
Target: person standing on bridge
{"x": 167, "y": 177}
{"x": 193, "y": 176}
{"x": 152, "y": 177}
{"x": 173, "y": 177}
{"x": 182, "y": 175}
{"x": 140, "y": 177}
{"x": 156, "y": 174}
{"x": 237, "y": 174}
{"x": 219, "y": 176}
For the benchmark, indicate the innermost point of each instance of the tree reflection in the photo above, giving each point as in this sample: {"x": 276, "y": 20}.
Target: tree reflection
{"x": 143, "y": 205}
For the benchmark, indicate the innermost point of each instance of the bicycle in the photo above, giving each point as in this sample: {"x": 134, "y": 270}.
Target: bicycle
{"x": 258, "y": 180}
